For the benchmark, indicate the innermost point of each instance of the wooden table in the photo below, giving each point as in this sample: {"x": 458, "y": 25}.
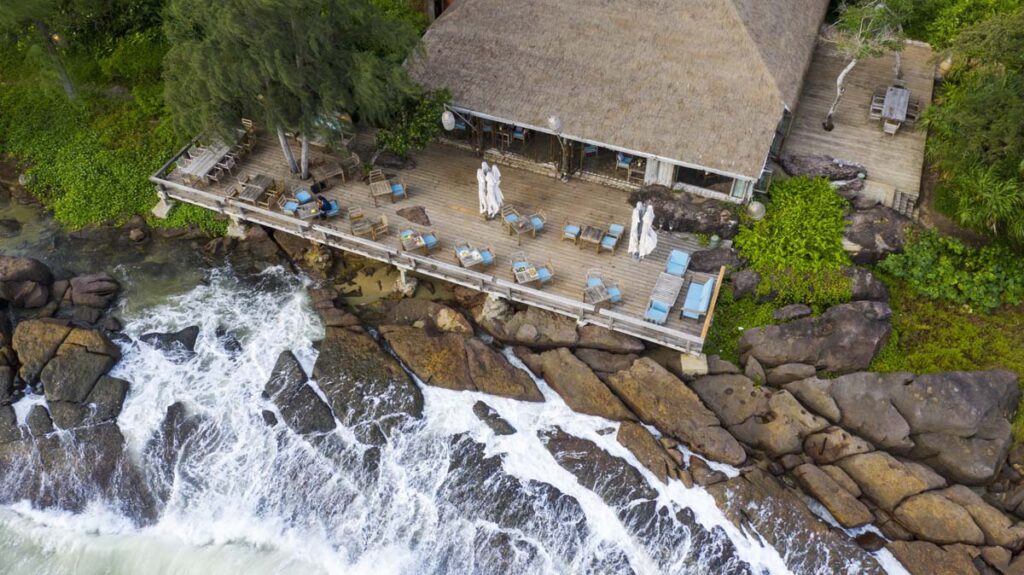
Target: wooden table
{"x": 203, "y": 164}
{"x": 526, "y": 275}
{"x": 413, "y": 242}
{"x": 308, "y": 211}
{"x": 379, "y": 190}
{"x": 897, "y": 100}
{"x": 255, "y": 188}
{"x": 520, "y": 227}
{"x": 470, "y": 258}
{"x": 597, "y": 295}
{"x": 592, "y": 235}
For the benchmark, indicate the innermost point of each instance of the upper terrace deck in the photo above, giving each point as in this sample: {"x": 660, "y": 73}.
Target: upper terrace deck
{"x": 444, "y": 183}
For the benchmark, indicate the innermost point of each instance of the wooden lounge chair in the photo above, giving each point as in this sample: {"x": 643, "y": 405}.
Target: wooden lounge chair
{"x": 376, "y": 175}
{"x": 611, "y": 238}
{"x": 509, "y": 216}
{"x": 379, "y": 229}
{"x": 546, "y": 273}
{"x": 666, "y": 291}
{"x": 571, "y": 232}
{"x": 487, "y": 254}
{"x": 890, "y": 127}
{"x": 537, "y": 221}
{"x": 698, "y": 298}
{"x": 677, "y": 263}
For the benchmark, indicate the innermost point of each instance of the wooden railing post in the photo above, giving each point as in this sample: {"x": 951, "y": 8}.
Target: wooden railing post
{"x": 714, "y": 302}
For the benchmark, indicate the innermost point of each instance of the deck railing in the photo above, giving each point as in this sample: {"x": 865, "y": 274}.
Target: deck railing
{"x": 583, "y": 313}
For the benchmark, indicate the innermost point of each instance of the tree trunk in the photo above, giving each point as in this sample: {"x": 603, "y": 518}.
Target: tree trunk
{"x": 51, "y": 49}
{"x": 305, "y": 158}
{"x": 840, "y": 88}
{"x": 287, "y": 150}
{"x": 899, "y": 65}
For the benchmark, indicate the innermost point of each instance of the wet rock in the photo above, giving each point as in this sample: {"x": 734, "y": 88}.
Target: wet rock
{"x": 822, "y": 166}
{"x": 875, "y": 233}
{"x": 581, "y": 390}
{"x": 719, "y": 366}
{"x": 38, "y": 421}
{"x": 791, "y": 312}
{"x": 9, "y": 228}
{"x": 530, "y": 359}
{"x": 492, "y": 419}
{"x": 418, "y": 313}
{"x": 754, "y": 371}
{"x": 137, "y": 234}
{"x": 870, "y": 541}
{"x": 687, "y": 212}
{"x": 94, "y": 290}
{"x": 597, "y": 337}
{"x": 924, "y": 558}
{"x": 789, "y": 372}
{"x": 934, "y": 518}
{"x": 24, "y": 282}
{"x": 757, "y": 500}
{"x": 745, "y": 283}
{"x": 866, "y": 286}
{"x": 888, "y": 481}
{"x": 367, "y": 389}
{"x": 9, "y": 430}
{"x": 843, "y": 506}
{"x": 834, "y": 444}
{"x": 998, "y": 528}
{"x": 647, "y": 450}
{"x": 80, "y": 360}
{"x": 604, "y": 362}
{"x": 661, "y": 400}
{"x": 733, "y": 398}
{"x": 703, "y": 474}
{"x": 711, "y": 261}
{"x": 843, "y": 339}
{"x": 535, "y": 328}
{"x": 104, "y": 403}
{"x": 299, "y": 405}
{"x": 269, "y": 418}
{"x": 183, "y": 340}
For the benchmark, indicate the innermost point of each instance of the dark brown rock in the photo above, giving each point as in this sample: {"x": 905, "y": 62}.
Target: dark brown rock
{"x": 687, "y": 212}
{"x": 605, "y": 361}
{"x": 821, "y": 166}
{"x": 875, "y": 233}
{"x": 647, "y": 450}
{"x": 703, "y": 474}
{"x": 789, "y": 372}
{"x": 490, "y": 417}
{"x": 932, "y": 517}
{"x": 834, "y": 444}
{"x": 36, "y": 342}
{"x": 744, "y": 283}
{"x": 924, "y": 558}
{"x": 597, "y": 337}
{"x": 94, "y": 290}
{"x": 843, "y": 506}
{"x": 300, "y": 406}
{"x": 24, "y": 282}
{"x": 711, "y": 261}
{"x": 791, "y": 312}
{"x": 581, "y": 390}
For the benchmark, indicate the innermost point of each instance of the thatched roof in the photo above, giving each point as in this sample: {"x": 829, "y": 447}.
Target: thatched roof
{"x": 703, "y": 82}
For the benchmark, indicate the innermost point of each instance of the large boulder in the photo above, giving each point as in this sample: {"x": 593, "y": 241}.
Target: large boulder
{"x": 843, "y": 339}
{"x": 605, "y": 362}
{"x": 932, "y": 517}
{"x": 833, "y": 444}
{"x": 459, "y": 362}
{"x": 597, "y": 337}
{"x": 418, "y": 313}
{"x": 67, "y": 360}
{"x": 687, "y": 212}
{"x": 874, "y": 233}
{"x": 35, "y": 342}
{"x": 888, "y": 481}
{"x": 821, "y": 166}
{"x": 711, "y": 261}
{"x": 492, "y": 419}
{"x": 998, "y": 528}
{"x": 662, "y": 400}
{"x": 182, "y": 340}
{"x": 649, "y": 452}
{"x": 367, "y": 389}
{"x": 300, "y": 406}
{"x": 24, "y": 282}
{"x": 93, "y": 290}
{"x": 843, "y": 506}
{"x": 103, "y": 404}
{"x": 924, "y": 558}
{"x": 532, "y": 327}
{"x": 577, "y": 385}
{"x": 781, "y": 428}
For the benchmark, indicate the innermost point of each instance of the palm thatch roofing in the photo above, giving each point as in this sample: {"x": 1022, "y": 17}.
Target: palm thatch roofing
{"x": 700, "y": 82}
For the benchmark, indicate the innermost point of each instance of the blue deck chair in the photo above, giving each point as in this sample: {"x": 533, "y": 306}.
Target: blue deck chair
{"x": 657, "y": 312}
{"x": 677, "y": 263}
{"x": 698, "y": 298}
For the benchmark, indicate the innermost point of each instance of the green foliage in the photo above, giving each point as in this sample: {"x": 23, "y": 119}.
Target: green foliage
{"x": 976, "y": 129}
{"x": 938, "y": 22}
{"x": 930, "y": 336}
{"x": 136, "y": 59}
{"x": 407, "y": 10}
{"x": 943, "y": 268}
{"x": 870, "y": 28}
{"x": 289, "y": 64}
{"x": 732, "y": 318}
{"x": 416, "y": 125}
{"x": 797, "y": 248}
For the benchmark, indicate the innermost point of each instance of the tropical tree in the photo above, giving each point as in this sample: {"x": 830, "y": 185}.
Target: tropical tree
{"x": 293, "y": 64}
{"x": 865, "y": 29}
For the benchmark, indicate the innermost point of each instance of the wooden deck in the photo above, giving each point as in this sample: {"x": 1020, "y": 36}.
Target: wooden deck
{"x": 444, "y": 183}
{"x": 892, "y": 161}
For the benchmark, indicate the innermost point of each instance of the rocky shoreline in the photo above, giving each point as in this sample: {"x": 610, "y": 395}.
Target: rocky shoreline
{"x": 926, "y": 459}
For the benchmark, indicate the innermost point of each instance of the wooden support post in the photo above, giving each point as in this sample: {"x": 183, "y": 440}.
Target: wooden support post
{"x": 714, "y": 301}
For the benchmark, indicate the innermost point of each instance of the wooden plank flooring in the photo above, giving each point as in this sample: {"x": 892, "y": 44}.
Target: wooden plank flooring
{"x": 444, "y": 183}
{"x": 896, "y": 161}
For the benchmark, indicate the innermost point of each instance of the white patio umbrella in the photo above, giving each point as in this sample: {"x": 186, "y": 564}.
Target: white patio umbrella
{"x": 493, "y": 207}
{"x": 648, "y": 237}
{"x": 481, "y": 184}
{"x": 497, "y": 197}
{"x": 634, "y": 229}
{"x": 497, "y": 175}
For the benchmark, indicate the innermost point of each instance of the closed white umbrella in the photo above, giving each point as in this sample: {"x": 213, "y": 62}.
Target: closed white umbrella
{"x": 497, "y": 175}
{"x": 634, "y": 229}
{"x": 492, "y": 205}
{"x": 499, "y": 198}
{"x": 481, "y": 184}
{"x": 648, "y": 237}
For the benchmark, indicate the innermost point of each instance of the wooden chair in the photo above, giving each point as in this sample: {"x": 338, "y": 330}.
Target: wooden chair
{"x": 355, "y": 214}
{"x": 546, "y": 273}
{"x": 269, "y": 198}
{"x": 431, "y": 241}
{"x": 623, "y": 162}
{"x": 890, "y": 127}
{"x": 611, "y": 238}
{"x": 380, "y": 228}
{"x": 571, "y": 232}
{"x": 509, "y": 216}
{"x": 487, "y": 253}
{"x": 399, "y": 190}
{"x": 249, "y": 125}
{"x": 537, "y": 221}
{"x": 520, "y": 135}
{"x": 376, "y": 175}
{"x": 504, "y": 136}
{"x": 518, "y": 261}
{"x": 227, "y": 164}
{"x": 215, "y": 174}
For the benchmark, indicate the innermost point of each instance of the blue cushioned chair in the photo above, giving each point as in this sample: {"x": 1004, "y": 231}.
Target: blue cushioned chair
{"x": 398, "y": 190}
{"x": 614, "y": 294}
{"x": 538, "y": 222}
{"x": 657, "y": 312}
{"x": 487, "y": 254}
{"x": 546, "y": 273}
{"x": 290, "y": 206}
{"x": 303, "y": 196}
{"x": 623, "y": 162}
{"x": 594, "y": 281}
{"x": 571, "y": 232}
{"x": 616, "y": 229}
{"x": 519, "y": 134}
{"x": 430, "y": 241}
{"x": 332, "y": 208}
{"x": 698, "y": 298}
{"x": 677, "y": 263}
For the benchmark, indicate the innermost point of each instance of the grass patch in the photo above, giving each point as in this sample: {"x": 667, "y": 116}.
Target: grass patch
{"x": 930, "y": 336}
{"x": 732, "y": 318}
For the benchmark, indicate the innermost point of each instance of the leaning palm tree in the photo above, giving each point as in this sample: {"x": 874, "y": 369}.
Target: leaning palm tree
{"x": 865, "y": 29}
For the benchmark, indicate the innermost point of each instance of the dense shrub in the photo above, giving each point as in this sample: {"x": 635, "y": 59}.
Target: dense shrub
{"x": 417, "y": 124}
{"x": 944, "y": 268}
{"x": 798, "y": 247}
{"x": 732, "y": 318}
